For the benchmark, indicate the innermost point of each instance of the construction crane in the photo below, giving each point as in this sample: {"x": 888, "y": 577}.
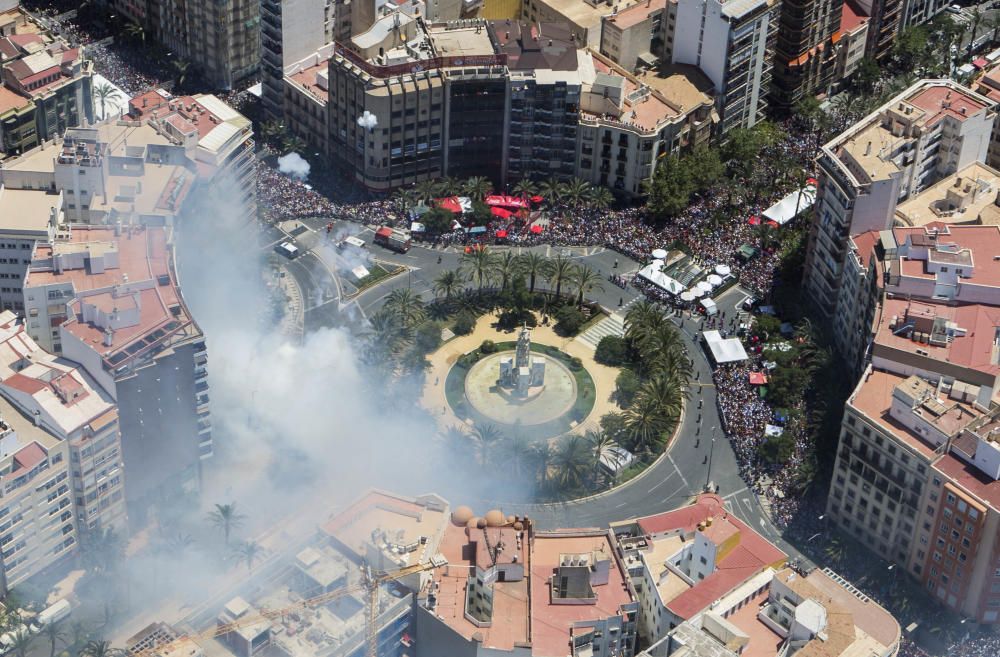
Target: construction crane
{"x": 371, "y": 581}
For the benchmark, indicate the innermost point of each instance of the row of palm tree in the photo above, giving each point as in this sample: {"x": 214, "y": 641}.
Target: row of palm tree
{"x": 665, "y": 369}
{"x": 488, "y": 268}
{"x": 75, "y": 638}
{"x": 572, "y": 464}
{"x": 575, "y": 192}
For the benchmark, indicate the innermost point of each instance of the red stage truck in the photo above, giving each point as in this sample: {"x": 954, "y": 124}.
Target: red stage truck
{"x": 393, "y": 239}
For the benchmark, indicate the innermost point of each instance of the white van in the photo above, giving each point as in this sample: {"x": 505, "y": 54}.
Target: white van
{"x": 53, "y": 613}
{"x": 288, "y": 250}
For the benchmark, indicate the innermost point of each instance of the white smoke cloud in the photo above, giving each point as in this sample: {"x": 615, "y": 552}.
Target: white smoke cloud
{"x": 368, "y": 120}
{"x": 294, "y": 165}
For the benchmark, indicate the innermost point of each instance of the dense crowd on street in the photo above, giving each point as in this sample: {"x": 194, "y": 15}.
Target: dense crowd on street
{"x": 281, "y": 198}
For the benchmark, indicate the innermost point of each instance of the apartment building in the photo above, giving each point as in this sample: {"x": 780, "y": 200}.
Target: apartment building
{"x": 45, "y": 86}
{"x": 916, "y": 478}
{"x": 633, "y": 37}
{"x": 219, "y": 38}
{"x": 628, "y": 123}
{"x": 306, "y": 99}
{"x": 37, "y": 523}
{"x": 27, "y": 216}
{"x": 584, "y": 17}
{"x": 500, "y": 99}
{"x": 853, "y": 41}
{"x": 61, "y": 429}
{"x": 66, "y": 402}
{"x": 988, "y": 85}
{"x": 804, "y": 52}
{"x": 536, "y": 593}
{"x": 916, "y": 12}
{"x": 105, "y": 294}
{"x": 885, "y": 20}
{"x": 216, "y": 139}
{"x": 733, "y": 44}
{"x": 290, "y": 30}
{"x": 932, "y": 130}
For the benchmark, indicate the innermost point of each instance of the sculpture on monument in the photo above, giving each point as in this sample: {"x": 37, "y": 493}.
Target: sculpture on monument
{"x": 523, "y": 371}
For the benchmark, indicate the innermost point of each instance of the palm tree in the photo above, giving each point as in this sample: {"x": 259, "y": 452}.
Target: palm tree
{"x": 226, "y": 518}
{"x": 560, "y": 271}
{"x": 572, "y": 462}
{"x": 660, "y": 340}
{"x": 486, "y": 438}
{"x": 575, "y": 192}
{"x": 477, "y": 187}
{"x": 977, "y": 18}
{"x": 181, "y": 69}
{"x": 426, "y": 190}
{"x": 640, "y": 318}
{"x": 533, "y": 265}
{"x": 645, "y": 423}
{"x": 477, "y": 265}
{"x": 448, "y": 283}
{"x": 292, "y": 143}
{"x": 668, "y": 392}
{"x": 836, "y": 550}
{"x": 100, "y": 648}
{"x": 21, "y": 641}
{"x": 249, "y": 552}
{"x": 505, "y": 268}
{"x": 103, "y": 551}
{"x": 53, "y": 631}
{"x": 551, "y": 190}
{"x": 406, "y": 305}
{"x": 104, "y": 92}
{"x": 585, "y": 279}
{"x": 603, "y": 447}
{"x": 81, "y": 636}
{"x": 405, "y": 197}
{"x": 135, "y": 31}
{"x": 516, "y": 453}
{"x": 524, "y": 188}
{"x": 449, "y": 186}
{"x": 601, "y": 198}
{"x": 387, "y": 332}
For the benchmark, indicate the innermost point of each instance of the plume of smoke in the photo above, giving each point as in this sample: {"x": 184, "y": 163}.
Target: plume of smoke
{"x": 294, "y": 165}
{"x": 368, "y": 121}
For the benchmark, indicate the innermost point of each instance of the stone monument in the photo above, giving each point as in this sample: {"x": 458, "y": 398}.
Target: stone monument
{"x": 523, "y": 371}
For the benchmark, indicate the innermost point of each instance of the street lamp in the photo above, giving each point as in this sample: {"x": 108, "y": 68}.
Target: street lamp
{"x": 711, "y": 452}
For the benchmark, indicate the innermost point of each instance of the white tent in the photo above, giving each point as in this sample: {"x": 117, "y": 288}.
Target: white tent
{"x": 714, "y": 280}
{"x": 660, "y": 254}
{"x": 722, "y": 270}
{"x": 729, "y": 350}
{"x": 687, "y": 296}
{"x": 652, "y": 273}
{"x": 706, "y": 286}
{"x": 709, "y": 306}
{"x": 784, "y": 210}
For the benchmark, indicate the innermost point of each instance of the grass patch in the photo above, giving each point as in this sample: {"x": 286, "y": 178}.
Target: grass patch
{"x": 376, "y": 274}
{"x": 586, "y": 392}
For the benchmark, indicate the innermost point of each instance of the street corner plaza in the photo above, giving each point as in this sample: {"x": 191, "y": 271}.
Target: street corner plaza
{"x": 537, "y": 405}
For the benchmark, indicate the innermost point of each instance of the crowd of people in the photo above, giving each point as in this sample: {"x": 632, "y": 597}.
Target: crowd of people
{"x": 281, "y": 197}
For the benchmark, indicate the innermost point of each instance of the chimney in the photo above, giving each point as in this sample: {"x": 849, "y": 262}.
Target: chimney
{"x": 109, "y": 337}
{"x": 868, "y": 149}
{"x": 36, "y": 417}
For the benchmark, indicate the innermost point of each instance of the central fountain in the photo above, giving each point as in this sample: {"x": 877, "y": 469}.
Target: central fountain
{"x": 522, "y": 372}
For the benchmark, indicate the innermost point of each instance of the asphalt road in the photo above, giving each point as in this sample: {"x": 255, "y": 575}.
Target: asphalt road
{"x": 671, "y": 482}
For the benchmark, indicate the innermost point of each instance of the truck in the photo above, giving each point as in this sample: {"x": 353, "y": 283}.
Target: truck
{"x": 51, "y": 614}
{"x": 391, "y": 238}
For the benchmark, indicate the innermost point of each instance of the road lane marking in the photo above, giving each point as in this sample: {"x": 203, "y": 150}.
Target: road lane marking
{"x": 662, "y": 481}
{"x": 673, "y": 463}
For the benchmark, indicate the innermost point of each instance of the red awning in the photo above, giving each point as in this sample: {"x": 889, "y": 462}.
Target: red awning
{"x": 537, "y": 199}
{"x": 755, "y": 221}
{"x": 501, "y": 233}
{"x": 536, "y": 229}
{"x": 500, "y": 212}
{"x": 506, "y": 201}
{"x": 450, "y": 204}
{"x": 772, "y": 223}
{"x": 758, "y": 378}
{"x": 812, "y": 181}
{"x": 979, "y": 62}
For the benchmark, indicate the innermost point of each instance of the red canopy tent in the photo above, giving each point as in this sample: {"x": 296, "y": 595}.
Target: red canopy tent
{"x": 979, "y": 62}
{"x": 537, "y": 199}
{"x": 536, "y": 229}
{"x": 812, "y": 181}
{"x": 758, "y": 378}
{"x": 501, "y": 233}
{"x": 501, "y": 212}
{"x": 506, "y": 201}
{"x": 450, "y": 204}
{"x": 755, "y": 220}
